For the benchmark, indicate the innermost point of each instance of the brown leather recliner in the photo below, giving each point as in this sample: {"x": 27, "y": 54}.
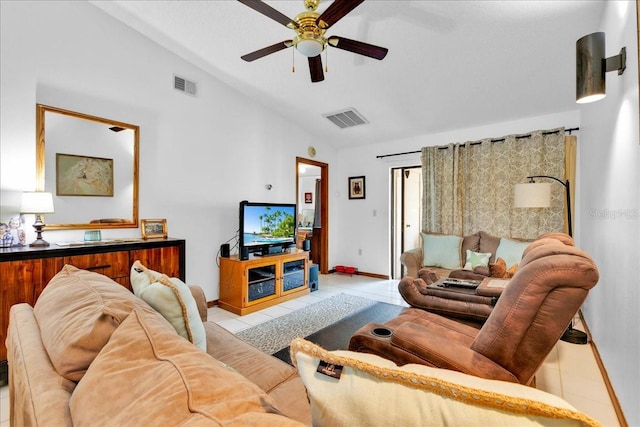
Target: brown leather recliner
{"x": 462, "y": 304}
{"x": 533, "y": 312}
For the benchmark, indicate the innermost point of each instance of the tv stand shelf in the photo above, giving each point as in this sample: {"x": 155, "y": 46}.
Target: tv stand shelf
{"x": 261, "y": 282}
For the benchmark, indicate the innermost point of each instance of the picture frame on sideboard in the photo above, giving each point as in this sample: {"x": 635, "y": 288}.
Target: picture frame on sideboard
{"x": 154, "y": 228}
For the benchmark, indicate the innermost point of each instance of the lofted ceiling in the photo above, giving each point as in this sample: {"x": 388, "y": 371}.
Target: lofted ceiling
{"x": 451, "y": 64}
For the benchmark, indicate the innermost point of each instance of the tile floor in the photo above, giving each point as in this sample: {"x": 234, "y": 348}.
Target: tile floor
{"x": 570, "y": 371}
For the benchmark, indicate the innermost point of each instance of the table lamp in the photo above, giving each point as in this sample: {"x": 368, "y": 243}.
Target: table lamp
{"x": 38, "y": 203}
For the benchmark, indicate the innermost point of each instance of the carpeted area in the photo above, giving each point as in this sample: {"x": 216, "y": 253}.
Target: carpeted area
{"x": 276, "y": 334}
{"x": 329, "y": 323}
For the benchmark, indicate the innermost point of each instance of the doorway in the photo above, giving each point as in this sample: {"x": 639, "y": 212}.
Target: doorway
{"x": 406, "y": 214}
{"x": 313, "y": 177}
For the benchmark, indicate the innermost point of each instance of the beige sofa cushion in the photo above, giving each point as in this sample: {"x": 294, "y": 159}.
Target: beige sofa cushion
{"x": 77, "y": 313}
{"x": 371, "y": 390}
{"x": 146, "y": 361}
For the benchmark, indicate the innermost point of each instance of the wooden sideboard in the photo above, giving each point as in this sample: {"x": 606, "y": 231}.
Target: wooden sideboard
{"x": 26, "y": 271}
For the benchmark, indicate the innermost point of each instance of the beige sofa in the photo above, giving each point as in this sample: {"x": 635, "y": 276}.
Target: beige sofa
{"x": 92, "y": 353}
{"x": 480, "y": 242}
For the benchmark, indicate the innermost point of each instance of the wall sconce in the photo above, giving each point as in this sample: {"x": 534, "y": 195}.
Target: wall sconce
{"x": 591, "y": 67}
{"x": 35, "y": 202}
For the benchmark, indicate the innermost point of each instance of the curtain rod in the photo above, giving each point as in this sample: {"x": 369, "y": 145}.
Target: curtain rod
{"x": 477, "y": 143}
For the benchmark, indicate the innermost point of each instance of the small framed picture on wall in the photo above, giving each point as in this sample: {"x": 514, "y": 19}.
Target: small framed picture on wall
{"x": 308, "y": 198}
{"x": 356, "y": 187}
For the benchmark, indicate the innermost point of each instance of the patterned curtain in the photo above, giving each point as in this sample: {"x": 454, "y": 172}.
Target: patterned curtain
{"x": 469, "y": 187}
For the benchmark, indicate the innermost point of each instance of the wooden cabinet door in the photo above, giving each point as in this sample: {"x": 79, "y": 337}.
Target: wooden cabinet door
{"x": 163, "y": 260}
{"x": 261, "y": 282}
{"x": 114, "y": 265}
{"x": 22, "y": 281}
{"x": 294, "y": 275}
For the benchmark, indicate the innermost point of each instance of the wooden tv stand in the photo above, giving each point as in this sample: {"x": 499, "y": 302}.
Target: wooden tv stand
{"x": 261, "y": 282}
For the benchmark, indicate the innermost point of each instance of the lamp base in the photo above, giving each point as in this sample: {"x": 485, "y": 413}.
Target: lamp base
{"x": 574, "y": 336}
{"x": 39, "y": 243}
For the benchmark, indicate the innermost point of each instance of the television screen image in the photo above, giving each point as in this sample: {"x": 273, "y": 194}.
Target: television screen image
{"x": 267, "y": 224}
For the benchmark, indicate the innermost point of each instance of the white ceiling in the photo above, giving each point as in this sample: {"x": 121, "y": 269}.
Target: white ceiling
{"x": 451, "y": 64}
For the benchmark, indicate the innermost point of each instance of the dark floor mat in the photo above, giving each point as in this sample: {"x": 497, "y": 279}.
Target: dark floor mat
{"x": 337, "y": 335}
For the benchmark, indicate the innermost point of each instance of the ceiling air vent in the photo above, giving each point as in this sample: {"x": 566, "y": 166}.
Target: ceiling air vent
{"x": 184, "y": 85}
{"x": 347, "y": 118}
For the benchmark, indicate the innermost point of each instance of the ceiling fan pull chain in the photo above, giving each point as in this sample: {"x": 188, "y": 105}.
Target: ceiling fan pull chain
{"x": 326, "y": 60}
{"x": 293, "y": 60}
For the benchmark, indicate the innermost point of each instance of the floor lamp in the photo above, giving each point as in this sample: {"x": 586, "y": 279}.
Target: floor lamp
{"x": 538, "y": 195}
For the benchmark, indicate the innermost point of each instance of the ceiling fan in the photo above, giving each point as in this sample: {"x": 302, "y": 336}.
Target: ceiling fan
{"x": 310, "y": 28}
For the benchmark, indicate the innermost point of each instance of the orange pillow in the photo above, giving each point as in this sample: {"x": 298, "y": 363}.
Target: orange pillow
{"x": 499, "y": 269}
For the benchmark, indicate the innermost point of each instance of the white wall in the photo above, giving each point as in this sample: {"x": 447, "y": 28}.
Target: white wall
{"x": 199, "y": 156}
{"x": 609, "y": 207}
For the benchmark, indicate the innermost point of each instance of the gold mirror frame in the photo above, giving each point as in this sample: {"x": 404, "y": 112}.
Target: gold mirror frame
{"x": 41, "y": 153}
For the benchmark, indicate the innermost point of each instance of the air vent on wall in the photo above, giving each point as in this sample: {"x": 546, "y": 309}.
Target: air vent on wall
{"x": 184, "y": 85}
{"x": 346, "y": 118}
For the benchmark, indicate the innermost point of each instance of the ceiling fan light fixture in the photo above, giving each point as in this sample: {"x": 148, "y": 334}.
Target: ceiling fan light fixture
{"x": 309, "y": 46}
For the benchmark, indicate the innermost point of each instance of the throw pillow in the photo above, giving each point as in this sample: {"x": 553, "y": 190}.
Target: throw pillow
{"x": 360, "y": 389}
{"x": 77, "y": 313}
{"x": 511, "y": 251}
{"x": 476, "y": 259}
{"x": 172, "y": 298}
{"x": 499, "y": 270}
{"x": 147, "y": 375}
{"x": 441, "y": 250}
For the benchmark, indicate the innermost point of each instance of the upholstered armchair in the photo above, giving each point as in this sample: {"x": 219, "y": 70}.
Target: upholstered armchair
{"x": 529, "y": 318}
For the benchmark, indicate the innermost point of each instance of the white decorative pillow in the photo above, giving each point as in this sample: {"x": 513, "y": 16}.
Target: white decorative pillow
{"x": 511, "y": 251}
{"x": 441, "y": 250}
{"x": 360, "y": 389}
{"x": 476, "y": 259}
{"x": 172, "y": 298}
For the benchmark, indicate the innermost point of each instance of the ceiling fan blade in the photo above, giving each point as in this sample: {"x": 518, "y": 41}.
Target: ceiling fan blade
{"x": 315, "y": 68}
{"x": 267, "y": 50}
{"x": 360, "y": 48}
{"x": 336, "y": 11}
{"x": 270, "y": 12}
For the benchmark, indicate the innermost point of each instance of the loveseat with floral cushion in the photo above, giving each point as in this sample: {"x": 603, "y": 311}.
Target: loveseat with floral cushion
{"x": 464, "y": 257}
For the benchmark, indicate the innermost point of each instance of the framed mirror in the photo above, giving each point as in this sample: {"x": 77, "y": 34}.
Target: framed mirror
{"x": 90, "y": 165}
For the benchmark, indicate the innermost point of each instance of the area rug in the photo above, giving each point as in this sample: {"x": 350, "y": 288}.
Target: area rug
{"x": 329, "y": 323}
{"x": 276, "y": 334}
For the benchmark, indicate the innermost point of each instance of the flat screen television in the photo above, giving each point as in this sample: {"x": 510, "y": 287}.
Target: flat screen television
{"x": 267, "y": 228}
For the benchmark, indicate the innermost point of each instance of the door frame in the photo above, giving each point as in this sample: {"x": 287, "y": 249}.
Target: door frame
{"x": 398, "y": 211}
{"x": 324, "y": 208}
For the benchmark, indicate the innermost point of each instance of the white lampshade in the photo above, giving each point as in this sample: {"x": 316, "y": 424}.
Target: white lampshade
{"x": 309, "y": 47}
{"x": 532, "y": 195}
{"x": 37, "y": 202}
